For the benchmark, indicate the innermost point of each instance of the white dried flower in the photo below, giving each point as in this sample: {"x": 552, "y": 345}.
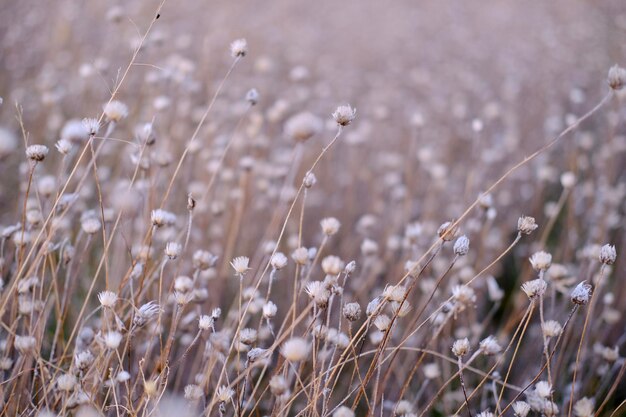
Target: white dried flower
{"x": 278, "y": 385}
{"x": 402, "y": 408}
{"x": 173, "y": 250}
{"x": 193, "y": 392}
{"x": 521, "y": 408}
{"x": 330, "y": 226}
{"x": 319, "y": 294}
{"x": 585, "y": 407}
{"x": 115, "y": 110}
{"x": 343, "y": 411}
{"x": 278, "y": 261}
{"x": 541, "y": 261}
{"x": 568, "y": 179}
{"x": 182, "y": 298}
{"x": 205, "y": 322}
{"x": 352, "y": 311}
{"x": 83, "y": 360}
{"x": 309, "y": 179}
{"x": 203, "y": 260}
{"x": 91, "y": 125}
{"x": 239, "y": 48}
{"x": 269, "y": 310}
{"x": 160, "y": 217}
{"x": 543, "y": 389}
{"x": 146, "y": 313}
{"x": 112, "y": 339}
{"x": 302, "y": 126}
{"x": 64, "y": 146}
{"x": 37, "y": 153}
{"x": 431, "y": 370}
{"x": 344, "y": 115}
{"x": 25, "y": 344}
{"x": 224, "y": 394}
{"x": 252, "y": 96}
{"x": 382, "y": 322}
{"x": 581, "y": 293}
{"x": 617, "y": 77}
{"x": 332, "y": 265}
{"x": 295, "y": 349}
{"x": 608, "y": 254}
{"x": 490, "y": 346}
{"x": 240, "y": 265}
{"x": 447, "y": 231}
{"x": 526, "y": 225}
{"x": 461, "y": 347}
{"x": 534, "y": 288}
{"x": 551, "y": 328}
{"x": 461, "y": 246}
{"x": 300, "y": 256}
{"x": 107, "y": 298}
{"x": 66, "y": 382}
{"x": 91, "y": 225}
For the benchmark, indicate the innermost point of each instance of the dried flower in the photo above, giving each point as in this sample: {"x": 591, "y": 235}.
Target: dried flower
{"x": 352, "y": 311}
{"x": 461, "y": 246}
{"x": 344, "y": 115}
{"x": 91, "y": 125}
{"x": 115, "y": 111}
{"x": 224, "y": 394}
{"x": 252, "y": 96}
{"x": 490, "y": 346}
{"x": 608, "y": 254}
{"x": 240, "y": 265}
{"x": 295, "y": 349}
{"x": 107, "y": 298}
{"x": 205, "y": 322}
{"x": 37, "y": 153}
{"x": 541, "y": 261}
{"x": 535, "y": 288}
{"x": 581, "y": 293}
{"x": 551, "y": 328}
{"x": 278, "y": 261}
{"x": 330, "y": 226}
{"x": 239, "y": 48}
{"x": 526, "y": 225}
{"x": 617, "y": 77}
{"x": 521, "y": 408}
{"x": 193, "y": 392}
{"x": 461, "y": 347}
{"x": 173, "y": 250}
{"x": 269, "y": 310}
{"x": 112, "y": 339}
{"x": 302, "y": 126}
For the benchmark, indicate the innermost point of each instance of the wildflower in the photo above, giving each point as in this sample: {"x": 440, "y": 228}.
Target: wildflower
{"x": 330, "y": 226}
{"x": 608, "y": 254}
{"x": 584, "y": 407}
{"x": 183, "y": 283}
{"x": 193, "y": 392}
{"x": 447, "y": 232}
{"x": 66, "y": 382}
{"x": 302, "y": 126}
{"x": 83, "y": 360}
{"x": 91, "y": 225}
{"x": 400, "y": 309}
{"x": 295, "y": 349}
{"x": 278, "y": 385}
{"x": 160, "y": 217}
{"x": 332, "y": 265}
{"x": 617, "y": 77}
{"x": 350, "y": 267}
{"x": 37, "y": 153}
{"x": 541, "y": 261}
{"x": 343, "y": 411}
{"x": 526, "y": 225}
{"x": 431, "y": 371}
{"x": 269, "y": 310}
{"x": 490, "y": 346}
{"x": 551, "y": 328}
{"x": 318, "y": 292}
{"x": 256, "y": 354}
{"x": 352, "y": 311}
{"x": 146, "y": 313}
{"x": 112, "y": 339}
{"x": 182, "y": 298}
{"x": 248, "y": 336}
{"x": 216, "y": 313}
{"x": 543, "y": 389}
{"x": 300, "y": 256}
{"x": 115, "y": 111}
{"x": 107, "y": 298}
{"x": 461, "y": 246}
{"x": 461, "y": 347}
{"x": 239, "y": 48}
{"x": 25, "y": 343}
{"x": 402, "y": 408}
{"x": 278, "y": 261}
{"x": 64, "y": 146}
{"x": 344, "y": 115}
{"x": 568, "y": 179}
{"x": 534, "y": 288}
{"x": 581, "y": 293}
{"x": 173, "y": 250}
{"x": 382, "y": 322}
{"x": 205, "y": 322}
{"x": 240, "y": 265}
{"x": 309, "y": 179}
{"x": 92, "y": 126}
{"x": 203, "y": 260}
{"x": 521, "y": 408}
{"x": 252, "y": 96}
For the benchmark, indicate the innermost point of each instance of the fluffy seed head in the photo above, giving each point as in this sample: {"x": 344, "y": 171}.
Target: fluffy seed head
{"x": 352, "y": 311}
{"x": 521, "y": 408}
{"x": 302, "y": 126}
{"x": 240, "y": 265}
{"x": 581, "y": 293}
{"x": 239, "y": 48}
{"x": 91, "y": 125}
{"x": 382, "y": 322}
{"x": 330, "y": 226}
{"x": 490, "y": 346}
{"x": 252, "y": 96}
{"x": 343, "y": 411}
{"x": 193, "y": 392}
{"x": 37, "y": 153}
{"x": 344, "y": 115}
{"x": 205, "y": 322}
{"x": 300, "y": 256}
{"x": 115, "y": 110}
{"x": 278, "y": 261}
{"x": 617, "y": 77}
{"x": 551, "y": 328}
{"x": 447, "y": 232}
{"x": 224, "y": 394}
{"x": 112, "y": 339}
{"x": 534, "y": 288}
{"x": 269, "y": 310}
{"x": 526, "y": 225}
{"x": 461, "y": 347}
{"x": 461, "y": 246}
{"x": 107, "y": 298}
{"x": 585, "y": 407}
{"x": 608, "y": 254}
{"x": 332, "y": 265}
{"x": 173, "y": 250}
{"x": 295, "y": 349}
{"x": 66, "y": 382}
{"x": 541, "y": 261}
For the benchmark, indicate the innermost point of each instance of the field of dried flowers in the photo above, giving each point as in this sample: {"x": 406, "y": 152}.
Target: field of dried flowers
{"x": 196, "y": 219}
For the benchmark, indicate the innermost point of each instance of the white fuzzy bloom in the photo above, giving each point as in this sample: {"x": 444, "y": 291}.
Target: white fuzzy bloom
{"x": 330, "y": 226}
{"x": 521, "y": 408}
{"x": 543, "y": 389}
{"x": 279, "y": 261}
{"x": 160, "y": 217}
{"x": 295, "y": 349}
{"x": 534, "y": 288}
{"x": 541, "y": 261}
{"x": 91, "y": 225}
{"x": 431, "y": 370}
{"x": 617, "y": 77}
{"x": 37, "y": 153}
{"x": 240, "y": 265}
{"x": 66, "y": 382}
{"x": 382, "y": 322}
{"x": 608, "y": 254}
{"x": 319, "y": 294}
{"x": 490, "y": 346}
{"x": 115, "y": 110}
{"x": 461, "y": 246}
{"x": 25, "y": 343}
{"x": 239, "y": 48}
{"x": 91, "y": 125}
{"x": 112, "y": 339}
{"x": 193, "y": 392}
{"x": 526, "y": 225}
{"x": 269, "y": 310}
{"x": 302, "y": 126}
{"x": 585, "y": 407}
{"x": 582, "y": 293}
{"x": 461, "y": 347}
{"x": 300, "y": 256}
{"x": 252, "y": 96}
{"x": 224, "y": 394}
{"x": 344, "y": 115}
{"x": 183, "y": 283}
{"x": 107, "y": 298}
{"x": 146, "y": 313}
{"x": 343, "y": 411}
{"x": 352, "y": 311}
{"x": 64, "y": 146}
{"x": 173, "y": 250}
{"x": 332, "y": 265}
{"x": 205, "y": 322}
{"x": 551, "y": 328}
